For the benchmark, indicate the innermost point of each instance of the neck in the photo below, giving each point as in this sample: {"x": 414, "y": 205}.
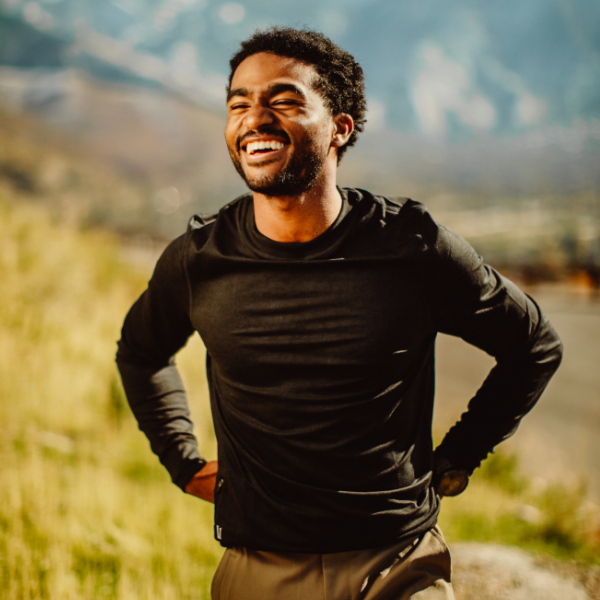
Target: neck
{"x": 299, "y": 218}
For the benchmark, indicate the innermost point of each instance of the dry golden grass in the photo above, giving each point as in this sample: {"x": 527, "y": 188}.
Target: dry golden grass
{"x": 86, "y": 511}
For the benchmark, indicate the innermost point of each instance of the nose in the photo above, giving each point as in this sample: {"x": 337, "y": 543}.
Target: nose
{"x": 258, "y": 115}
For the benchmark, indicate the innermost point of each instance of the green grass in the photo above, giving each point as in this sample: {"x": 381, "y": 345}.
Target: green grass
{"x": 86, "y": 511}
{"x": 499, "y": 506}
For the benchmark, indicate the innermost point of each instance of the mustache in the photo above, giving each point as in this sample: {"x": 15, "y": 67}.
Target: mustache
{"x": 264, "y": 130}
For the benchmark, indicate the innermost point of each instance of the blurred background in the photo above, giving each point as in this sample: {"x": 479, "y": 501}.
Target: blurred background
{"x": 111, "y": 137}
{"x": 473, "y": 106}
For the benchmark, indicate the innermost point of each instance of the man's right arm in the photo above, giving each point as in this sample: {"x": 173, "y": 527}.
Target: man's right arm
{"x": 156, "y": 327}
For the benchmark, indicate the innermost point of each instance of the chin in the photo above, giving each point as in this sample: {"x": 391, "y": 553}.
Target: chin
{"x": 283, "y": 183}
{"x": 298, "y": 175}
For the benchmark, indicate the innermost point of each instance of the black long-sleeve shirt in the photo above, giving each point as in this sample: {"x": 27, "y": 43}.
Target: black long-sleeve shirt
{"x": 320, "y": 363}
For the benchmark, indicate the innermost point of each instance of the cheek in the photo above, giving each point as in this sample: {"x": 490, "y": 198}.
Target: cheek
{"x": 228, "y": 137}
{"x": 319, "y": 128}
{"x": 310, "y": 128}
{"x": 319, "y": 135}
{"x": 231, "y": 133}
{"x": 309, "y": 123}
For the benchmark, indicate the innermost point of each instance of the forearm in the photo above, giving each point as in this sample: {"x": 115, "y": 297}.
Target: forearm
{"x": 157, "y": 326}
{"x": 159, "y": 404}
{"x": 511, "y": 389}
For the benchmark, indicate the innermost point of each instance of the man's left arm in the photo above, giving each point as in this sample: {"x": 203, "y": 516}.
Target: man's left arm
{"x": 470, "y": 300}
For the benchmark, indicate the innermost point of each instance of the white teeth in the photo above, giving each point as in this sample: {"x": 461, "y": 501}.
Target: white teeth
{"x": 266, "y": 145}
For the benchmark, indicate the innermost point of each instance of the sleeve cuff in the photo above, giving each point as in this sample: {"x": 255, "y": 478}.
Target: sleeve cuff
{"x": 188, "y": 471}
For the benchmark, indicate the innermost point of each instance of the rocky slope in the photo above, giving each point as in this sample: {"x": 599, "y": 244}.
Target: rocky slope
{"x": 492, "y": 572}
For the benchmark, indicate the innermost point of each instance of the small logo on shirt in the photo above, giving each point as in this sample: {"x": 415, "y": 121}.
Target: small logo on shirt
{"x": 219, "y": 531}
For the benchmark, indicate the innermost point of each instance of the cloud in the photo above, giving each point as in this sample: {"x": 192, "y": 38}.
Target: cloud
{"x": 443, "y": 85}
{"x": 232, "y": 13}
{"x": 530, "y": 110}
{"x": 35, "y": 15}
{"x": 165, "y": 16}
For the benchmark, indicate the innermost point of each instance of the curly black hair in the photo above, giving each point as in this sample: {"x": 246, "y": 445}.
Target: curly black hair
{"x": 341, "y": 80}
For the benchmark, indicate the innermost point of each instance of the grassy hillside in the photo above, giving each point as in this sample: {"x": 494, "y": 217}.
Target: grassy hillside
{"x": 86, "y": 511}
{"x": 66, "y": 177}
{"x": 502, "y": 506}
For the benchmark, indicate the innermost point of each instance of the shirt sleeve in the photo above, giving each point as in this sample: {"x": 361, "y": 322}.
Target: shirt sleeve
{"x": 469, "y": 299}
{"x": 156, "y": 327}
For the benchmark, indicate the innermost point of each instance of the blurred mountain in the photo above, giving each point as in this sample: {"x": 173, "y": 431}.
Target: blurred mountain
{"x": 142, "y": 161}
{"x": 152, "y": 135}
{"x": 472, "y": 107}
{"x": 111, "y": 154}
{"x": 167, "y": 140}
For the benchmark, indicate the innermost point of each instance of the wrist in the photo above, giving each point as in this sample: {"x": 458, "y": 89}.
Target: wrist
{"x": 203, "y": 482}
{"x": 449, "y": 480}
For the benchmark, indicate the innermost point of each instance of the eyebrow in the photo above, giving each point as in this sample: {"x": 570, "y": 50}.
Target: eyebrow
{"x": 279, "y": 88}
{"x": 274, "y": 90}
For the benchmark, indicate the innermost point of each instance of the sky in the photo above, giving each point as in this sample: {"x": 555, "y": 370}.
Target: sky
{"x": 449, "y": 70}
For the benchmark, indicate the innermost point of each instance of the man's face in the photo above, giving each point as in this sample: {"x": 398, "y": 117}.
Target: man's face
{"x": 279, "y": 130}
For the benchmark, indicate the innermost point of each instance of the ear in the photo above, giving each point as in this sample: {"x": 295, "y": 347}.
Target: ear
{"x": 343, "y": 126}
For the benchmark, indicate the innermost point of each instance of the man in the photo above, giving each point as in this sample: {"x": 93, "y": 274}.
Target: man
{"x": 319, "y": 308}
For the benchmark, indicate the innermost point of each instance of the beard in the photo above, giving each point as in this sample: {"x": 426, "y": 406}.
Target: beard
{"x": 298, "y": 175}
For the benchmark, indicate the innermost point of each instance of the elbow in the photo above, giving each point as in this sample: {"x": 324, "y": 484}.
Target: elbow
{"x": 119, "y": 352}
{"x": 124, "y": 354}
{"x": 558, "y": 353}
{"x": 127, "y": 359}
{"x": 553, "y": 349}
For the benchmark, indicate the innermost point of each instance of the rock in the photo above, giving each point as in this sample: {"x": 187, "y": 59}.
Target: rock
{"x": 492, "y": 572}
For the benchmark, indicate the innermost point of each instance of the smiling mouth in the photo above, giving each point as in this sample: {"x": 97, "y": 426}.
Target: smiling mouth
{"x": 263, "y": 147}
